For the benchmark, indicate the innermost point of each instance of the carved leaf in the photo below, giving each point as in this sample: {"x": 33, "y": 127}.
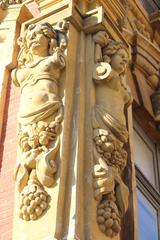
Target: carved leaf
{"x": 21, "y": 176}
{"x": 122, "y": 195}
{"x": 46, "y": 166}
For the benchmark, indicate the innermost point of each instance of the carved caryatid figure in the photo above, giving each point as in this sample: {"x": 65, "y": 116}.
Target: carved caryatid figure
{"x": 109, "y": 132}
{"x": 40, "y": 62}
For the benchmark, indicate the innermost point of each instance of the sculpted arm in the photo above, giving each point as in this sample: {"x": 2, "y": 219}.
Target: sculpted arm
{"x": 58, "y": 58}
{"x": 14, "y": 77}
{"x": 103, "y": 71}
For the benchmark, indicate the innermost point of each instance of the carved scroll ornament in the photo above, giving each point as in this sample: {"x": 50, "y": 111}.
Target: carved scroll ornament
{"x": 109, "y": 132}
{"x": 40, "y": 63}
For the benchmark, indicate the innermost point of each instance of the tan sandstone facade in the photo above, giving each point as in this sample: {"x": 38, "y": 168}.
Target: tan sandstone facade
{"x": 84, "y": 70}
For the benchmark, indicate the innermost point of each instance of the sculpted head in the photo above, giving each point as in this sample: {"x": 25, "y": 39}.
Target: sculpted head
{"x": 38, "y": 39}
{"x": 117, "y": 55}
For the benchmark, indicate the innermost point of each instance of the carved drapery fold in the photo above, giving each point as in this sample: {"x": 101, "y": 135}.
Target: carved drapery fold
{"x": 40, "y": 63}
{"x": 109, "y": 132}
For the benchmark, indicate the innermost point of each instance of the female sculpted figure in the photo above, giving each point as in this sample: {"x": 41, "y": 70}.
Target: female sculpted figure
{"x": 41, "y": 61}
{"x": 112, "y": 93}
{"x": 109, "y": 132}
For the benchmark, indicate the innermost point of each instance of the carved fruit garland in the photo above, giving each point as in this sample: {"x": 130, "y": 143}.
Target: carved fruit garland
{"x": 108, "y": 186}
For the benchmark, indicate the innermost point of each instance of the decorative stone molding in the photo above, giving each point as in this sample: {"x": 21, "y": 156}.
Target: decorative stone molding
{"x": 109, "y": 132}
{"x": 151, "y": 73}
{"x": 139, "y": 14}
{"x": 138, "y": 20}
{"x": 137, "y": 24}
{"x": 145, "y": 57}
{"x": 40, "y": 63}
{"x": 155, "y": 99}
{"x": 155, "y": 20}
{"x": 140, "y": 27}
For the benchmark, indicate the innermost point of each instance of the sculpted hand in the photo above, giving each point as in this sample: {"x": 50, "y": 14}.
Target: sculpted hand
{"x": 101, "y": 38}
{"x": 103, "y": 181}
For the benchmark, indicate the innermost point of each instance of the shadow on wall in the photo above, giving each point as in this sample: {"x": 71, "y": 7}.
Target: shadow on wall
{"x": 5, "y": 121}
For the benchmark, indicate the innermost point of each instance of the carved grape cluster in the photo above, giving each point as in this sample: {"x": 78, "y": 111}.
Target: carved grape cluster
{"x": 119, "y": 159}
{"x": 37, "y": 135}
{"x": 108, "y": 217}
{"x": 110, "y": 150}
{"x": 33, "y": 204}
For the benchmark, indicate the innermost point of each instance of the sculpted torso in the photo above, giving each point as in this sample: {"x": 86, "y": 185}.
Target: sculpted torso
{"x": 111, "y": 92}
{"x": 38, "y": 85}
{"x": 39, "y": 71}
{"x": 113, "y": 96}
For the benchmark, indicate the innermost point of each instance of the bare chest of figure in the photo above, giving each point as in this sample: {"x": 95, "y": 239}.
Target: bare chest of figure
{"x": 111, "y": 96}
{"x": 38, "y": 84}
{"x": 40, "y": 93}
{"x": 110, "y": 91}
{"x": 44, "y": 66}
{"x": 116, "y": 89}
